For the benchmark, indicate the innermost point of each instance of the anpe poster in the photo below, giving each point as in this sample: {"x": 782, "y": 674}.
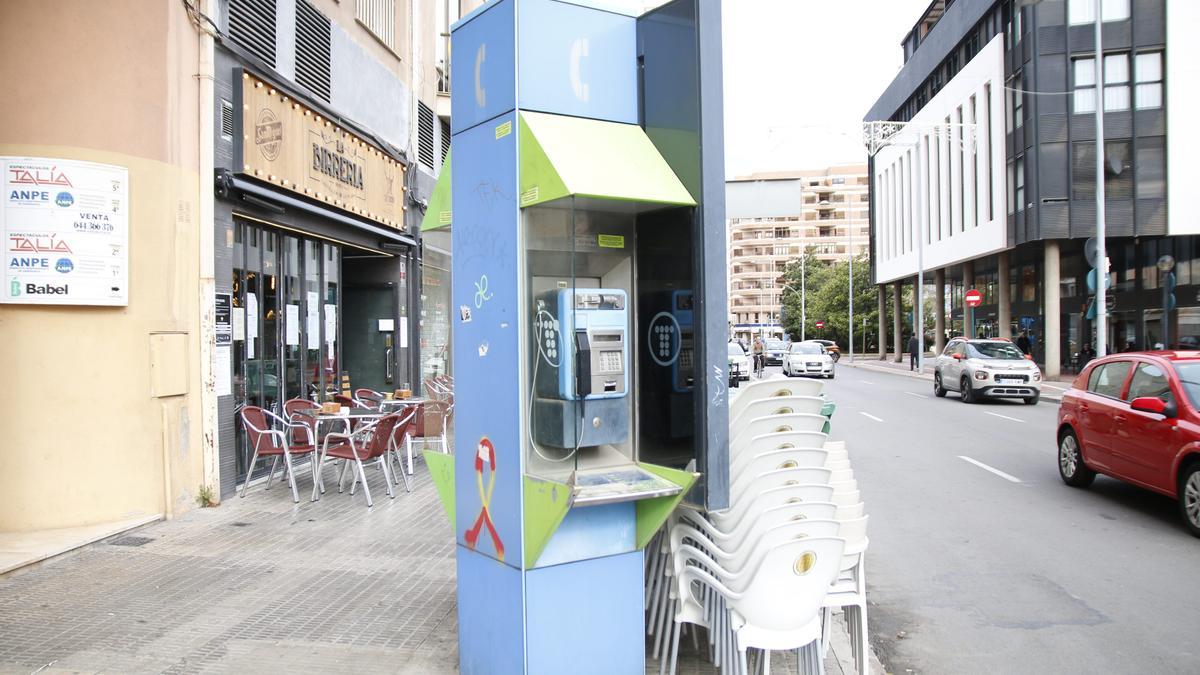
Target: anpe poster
{"x": 66, "y": 232}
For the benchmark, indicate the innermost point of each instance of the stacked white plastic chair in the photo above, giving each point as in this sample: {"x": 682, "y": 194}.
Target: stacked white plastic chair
{"x": 767, "y": 573}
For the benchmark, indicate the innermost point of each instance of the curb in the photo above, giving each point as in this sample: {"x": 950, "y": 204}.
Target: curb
{"x": 1050, "y": 395}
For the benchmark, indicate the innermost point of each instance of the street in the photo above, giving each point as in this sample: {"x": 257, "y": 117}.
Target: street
{"x": 981, "y": 560}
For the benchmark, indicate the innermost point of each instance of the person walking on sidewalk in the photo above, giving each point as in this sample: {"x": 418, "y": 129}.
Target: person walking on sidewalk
{"x": 913, "y": 352}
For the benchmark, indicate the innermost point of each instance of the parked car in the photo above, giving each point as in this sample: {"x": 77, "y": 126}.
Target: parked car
{"x": 1133, "y": 416}
{"x": 808, "y": 358}
{"x": 774, "y": 352}
{"x": 739, "y": 362}
{"x": 831, "y": 348}
{"x": 979, "y": 369}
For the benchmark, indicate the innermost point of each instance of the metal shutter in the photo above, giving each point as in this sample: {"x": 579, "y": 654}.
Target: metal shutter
{"x": 312, "y": 49}
{"x": 252, "y": 27}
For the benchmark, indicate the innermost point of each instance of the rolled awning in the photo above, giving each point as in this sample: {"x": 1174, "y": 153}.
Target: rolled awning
{"x": 573, "y": 156}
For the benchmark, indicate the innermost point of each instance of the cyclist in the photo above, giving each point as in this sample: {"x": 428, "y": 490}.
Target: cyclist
{"x": 760, "y": 357}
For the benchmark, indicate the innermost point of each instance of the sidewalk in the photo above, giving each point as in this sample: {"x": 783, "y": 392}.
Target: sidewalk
{"x": 262, "y": 585}
{"x": 1052, "y": 390}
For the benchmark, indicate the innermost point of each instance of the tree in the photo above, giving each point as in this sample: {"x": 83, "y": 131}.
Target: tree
{"x": 827, "y": 287}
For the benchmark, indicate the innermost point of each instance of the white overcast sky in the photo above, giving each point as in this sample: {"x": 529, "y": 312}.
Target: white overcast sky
{"x": 800, "y": 75}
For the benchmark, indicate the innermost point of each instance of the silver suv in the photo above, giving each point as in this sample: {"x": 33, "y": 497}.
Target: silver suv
{"x": 980, "y": 369}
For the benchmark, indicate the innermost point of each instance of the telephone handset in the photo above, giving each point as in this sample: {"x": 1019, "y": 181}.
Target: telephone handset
{"x": 583, "y": 364}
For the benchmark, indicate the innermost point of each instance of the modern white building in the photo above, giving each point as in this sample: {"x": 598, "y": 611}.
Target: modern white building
{"x": 990, "y": 181}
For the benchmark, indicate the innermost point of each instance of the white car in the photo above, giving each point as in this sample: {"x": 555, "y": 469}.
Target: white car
{"x": 739, "y": 363}
{"x": 808, "y": 358}
{"x": 989, "y": 368}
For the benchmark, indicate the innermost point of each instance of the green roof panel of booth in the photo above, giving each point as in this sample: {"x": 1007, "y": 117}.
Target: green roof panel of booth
{"x": 573, "y": 156}
{"x": 439, "y": 213}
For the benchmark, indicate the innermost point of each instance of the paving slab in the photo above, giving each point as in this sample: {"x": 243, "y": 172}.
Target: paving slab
{"x": 262, "y": 585}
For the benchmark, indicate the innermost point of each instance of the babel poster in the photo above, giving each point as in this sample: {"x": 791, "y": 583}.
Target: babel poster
{"x": 66, "y": 232}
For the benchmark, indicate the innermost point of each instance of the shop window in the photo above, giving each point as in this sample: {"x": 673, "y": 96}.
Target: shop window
{"x": 1151, "y": 168}
{"x": 1187, "y": 322}
{"x": 252, "y": 27}
{"x": 312, "y": 49}
{"x": 1148, "y": 74}
{"x": 1151, "y": 250}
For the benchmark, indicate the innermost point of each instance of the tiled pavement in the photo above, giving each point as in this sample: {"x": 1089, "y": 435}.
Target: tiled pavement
{"x": 258, "y": 585}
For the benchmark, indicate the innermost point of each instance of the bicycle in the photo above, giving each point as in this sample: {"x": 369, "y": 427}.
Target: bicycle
{"x": 760, "y": 365}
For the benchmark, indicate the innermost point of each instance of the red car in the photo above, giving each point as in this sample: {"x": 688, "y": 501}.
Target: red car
{"x": 1135, "y": 417}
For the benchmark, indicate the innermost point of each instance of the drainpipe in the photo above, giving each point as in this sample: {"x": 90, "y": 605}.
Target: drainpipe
{"x": 207, "y": 285}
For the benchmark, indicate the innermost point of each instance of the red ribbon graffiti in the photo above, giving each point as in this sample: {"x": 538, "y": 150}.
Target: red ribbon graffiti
{"x": 486, "y": 453}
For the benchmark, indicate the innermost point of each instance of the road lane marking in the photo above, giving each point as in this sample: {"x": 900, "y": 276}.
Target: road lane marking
{"x": 865, "y": 414}
{"x": 1004, "y": 417}
{"x": 913, "y": 393}
{"x": 1053, "y": 387}
{"x": 985, "y": 467}
{"x": 866, "y": 382}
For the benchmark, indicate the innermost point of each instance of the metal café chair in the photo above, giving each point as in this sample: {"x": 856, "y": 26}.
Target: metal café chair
{"x": 368, "y": 398}
{"x": 269, "y": 441}
{"x": 369, "y": 441}
{"x": 399, "y": 439}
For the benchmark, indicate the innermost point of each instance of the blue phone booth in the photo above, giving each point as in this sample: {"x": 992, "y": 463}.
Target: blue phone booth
{"x": 587, "y": 184}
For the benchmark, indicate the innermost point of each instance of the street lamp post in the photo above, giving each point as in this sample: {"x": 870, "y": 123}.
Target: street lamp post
{"x": 1101, "y": 248}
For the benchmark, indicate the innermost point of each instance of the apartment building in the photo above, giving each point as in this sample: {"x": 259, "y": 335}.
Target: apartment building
{"x": 991, "y": 178}
{"x": 216, "y": 205}
{"x": 774, "y": 217}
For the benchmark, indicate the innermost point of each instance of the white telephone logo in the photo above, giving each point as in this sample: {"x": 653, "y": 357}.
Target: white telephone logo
{"x": 480, "y": 92}
{"x": 579, "y": 49}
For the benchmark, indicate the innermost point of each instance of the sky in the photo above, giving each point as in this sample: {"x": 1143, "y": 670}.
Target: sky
{"x": 801, "y": 74}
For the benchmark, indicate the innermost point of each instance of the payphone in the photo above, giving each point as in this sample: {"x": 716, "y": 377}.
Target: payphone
{"x": 582, "y": 370}
{"x": 683, "y": 375}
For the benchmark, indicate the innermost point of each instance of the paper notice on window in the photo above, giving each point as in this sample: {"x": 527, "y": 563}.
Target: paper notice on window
{"x": 313, "y": 323}
{"x": 239, "y": 324}
{"x": 404, "y": 332}
{"x": 330, "y": 324}
{"x": 291, "y": 326}
{"x": 251, "y": 316}
{"x": 223, "y": 370}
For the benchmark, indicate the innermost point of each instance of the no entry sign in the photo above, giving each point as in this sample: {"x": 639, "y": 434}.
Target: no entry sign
{"x": 820, "y": 324}
{"x": 973, "y": 298}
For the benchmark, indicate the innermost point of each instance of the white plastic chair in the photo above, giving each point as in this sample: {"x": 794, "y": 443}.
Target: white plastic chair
{"x": 772, "y": 388}
{"x": 748, "y": 483}
{"x": 849, "y": 592}
{"x": 755, "y": 463}
{"x": 774, "y": 424}
{"x": 785, "y": 405}
{"x": 778, "y": 607}
{"x": 782, "y": 495}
